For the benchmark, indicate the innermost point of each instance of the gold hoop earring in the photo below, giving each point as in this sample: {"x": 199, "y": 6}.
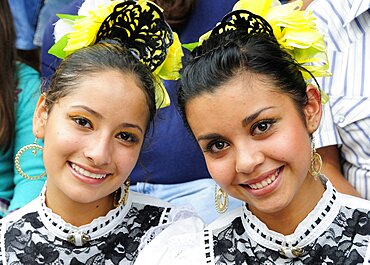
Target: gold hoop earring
{"x": 123, "y": 200}
{"x": 316, "y": 162}
{"x": 34, "y": 147}
{"x": 221, "y": 200}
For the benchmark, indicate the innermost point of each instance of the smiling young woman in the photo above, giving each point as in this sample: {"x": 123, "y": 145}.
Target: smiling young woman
{"x": 83, "y": 159}
{"x": 257, "y": 145}
{"x": 93, "y": 118}
{"x": 247, "y": 99}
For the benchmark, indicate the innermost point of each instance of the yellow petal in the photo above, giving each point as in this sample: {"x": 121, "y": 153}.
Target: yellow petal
{"x": 279, "y": 12}
{"x": 162, "y": 99}
{"x": 87, "y": 28}
{"x": 259, "y": 7}
{"x": 170, "y": 69}
{"x": 204, "y": 37}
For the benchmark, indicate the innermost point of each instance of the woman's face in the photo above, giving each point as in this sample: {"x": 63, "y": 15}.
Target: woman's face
{"x": 92, "y": 136}
{"x": 255, "y": 142}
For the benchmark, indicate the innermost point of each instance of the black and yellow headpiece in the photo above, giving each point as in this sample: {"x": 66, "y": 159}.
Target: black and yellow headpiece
{"x": 140, "y": 26}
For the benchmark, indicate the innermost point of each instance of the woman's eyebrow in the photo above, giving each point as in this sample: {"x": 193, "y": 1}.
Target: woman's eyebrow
{"x": 208, "y": 137}
{"x": 253, "y": 116}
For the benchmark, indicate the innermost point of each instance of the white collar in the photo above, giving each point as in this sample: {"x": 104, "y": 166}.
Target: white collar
{"x": 97, "y": 228}
{"x": 307, "y": 231}
{"x": 358, "y": 7}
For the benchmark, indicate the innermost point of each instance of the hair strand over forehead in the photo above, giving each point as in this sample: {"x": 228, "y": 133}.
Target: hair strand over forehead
{"x": 225, "y": 55}
{"x": 103, "y": 56}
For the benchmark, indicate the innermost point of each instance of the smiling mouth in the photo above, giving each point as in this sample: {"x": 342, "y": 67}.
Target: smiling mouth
{"x": 266, "y": 181}
{"x": 86, "y": 173}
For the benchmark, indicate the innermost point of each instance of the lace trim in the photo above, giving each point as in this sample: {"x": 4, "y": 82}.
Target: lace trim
{"x": 1, "y": 243}
{"x": 165, "y": 217}
{"x": 259, "y": 228}
{"x": 208, "y": 247}
{"x": 82, "y": 234}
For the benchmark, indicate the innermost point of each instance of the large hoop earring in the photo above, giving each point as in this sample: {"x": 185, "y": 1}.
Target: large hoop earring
{"x": 34, "y": 147}
{"x": 123, "y": 200}
{"x": 221, "y": 200}
{"x": 316, "y": 162}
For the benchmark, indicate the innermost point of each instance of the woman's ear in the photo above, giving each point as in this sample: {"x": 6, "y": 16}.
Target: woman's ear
{"x": 313, "y": 108}
{"x": 39, "y": 118}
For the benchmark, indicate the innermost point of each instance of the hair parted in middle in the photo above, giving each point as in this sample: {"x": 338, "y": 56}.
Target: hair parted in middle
{"x": 92, "y": 60}
{"x": 139, "y": 27}
{"x": 247, "y": 42}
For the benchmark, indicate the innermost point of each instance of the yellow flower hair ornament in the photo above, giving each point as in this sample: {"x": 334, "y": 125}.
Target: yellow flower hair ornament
{"x": 294, "y": 30}
{"x": 139, "y": 26}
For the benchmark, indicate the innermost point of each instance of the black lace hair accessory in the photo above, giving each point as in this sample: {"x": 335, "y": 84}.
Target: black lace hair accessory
{"x": 244, "y": 21}
{"x": 140, "y": 28}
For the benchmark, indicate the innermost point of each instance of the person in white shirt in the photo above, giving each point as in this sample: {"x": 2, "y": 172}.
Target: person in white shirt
{"x": 343, "y": 139}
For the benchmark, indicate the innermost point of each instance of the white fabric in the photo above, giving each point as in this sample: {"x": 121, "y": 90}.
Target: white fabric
{"x": 35, "y": 232}
{"x": 186, "y": 242}
{"x": 178, "y": 244}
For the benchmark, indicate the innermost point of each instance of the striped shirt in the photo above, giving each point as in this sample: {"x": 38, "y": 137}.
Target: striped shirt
{"x": 346, "y": 119}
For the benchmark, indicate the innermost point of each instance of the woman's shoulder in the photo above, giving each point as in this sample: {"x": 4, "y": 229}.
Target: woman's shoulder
{"x": 149, "y": 200}
{"x": 18, "y": 214}
{"x": 225, "y": 219}
{"x": 29, "y": 84}
{"x": 25, "y": 71}
{"x": 353, "y": 202}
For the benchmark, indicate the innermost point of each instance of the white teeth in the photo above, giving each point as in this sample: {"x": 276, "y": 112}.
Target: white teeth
{"x": 87, "y": 173}
{"x": 264, "y": 182}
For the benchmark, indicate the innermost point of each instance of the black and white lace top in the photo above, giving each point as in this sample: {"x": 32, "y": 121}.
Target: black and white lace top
{"x": 35, "y": 235}
{"x": 336, "y": 232}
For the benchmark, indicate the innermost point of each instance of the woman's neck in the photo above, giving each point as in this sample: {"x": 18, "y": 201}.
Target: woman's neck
{"x": 287, "y": 220}
{"x": 75, "y": 213}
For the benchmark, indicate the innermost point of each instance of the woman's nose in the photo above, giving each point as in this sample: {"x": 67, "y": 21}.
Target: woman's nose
{"x": 248, "y": 158}
{"x": 99, "y": 150}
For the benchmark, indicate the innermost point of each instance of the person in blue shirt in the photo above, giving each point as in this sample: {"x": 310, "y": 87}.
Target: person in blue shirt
{"x": 25, "y": 15}
{"x": 19, "y": 92}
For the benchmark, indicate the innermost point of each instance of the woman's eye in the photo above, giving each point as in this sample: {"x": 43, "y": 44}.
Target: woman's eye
{"x": 83, "y": 122}
{"x": 216, "y": 146}
{"x": 127, "y": 137}
{"x": 262, "y": 127}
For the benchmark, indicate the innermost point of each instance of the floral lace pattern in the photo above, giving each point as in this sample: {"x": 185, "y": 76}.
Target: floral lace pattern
{"x": 27, "y": 241}
{"x": 345, "y": 241}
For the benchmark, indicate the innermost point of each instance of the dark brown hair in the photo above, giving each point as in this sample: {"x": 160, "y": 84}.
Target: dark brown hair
{"x": 250, "y": 47}
{"x": 100, "y": 57}
{"x": 8, "y": 79}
